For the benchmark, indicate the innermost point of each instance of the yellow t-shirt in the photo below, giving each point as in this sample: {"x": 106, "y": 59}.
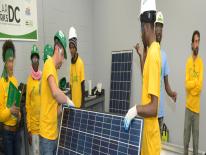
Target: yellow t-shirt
{"x": 76, "y": 78}
{"x": 151, "y": 86}
{"x": 5, "y": 114}
{"x": 33, "y": 105}
{"x": 193, "y": 83}
{"x": 48, "y": 110}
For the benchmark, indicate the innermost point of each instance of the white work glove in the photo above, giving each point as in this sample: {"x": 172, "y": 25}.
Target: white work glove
{"x": 69, "y": 102}
{"x": 129, "y": 116}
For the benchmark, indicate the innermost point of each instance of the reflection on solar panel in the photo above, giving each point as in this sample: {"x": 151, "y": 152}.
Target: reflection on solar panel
{"x": 120, "y": 86}
{"x": 94, "y": 133}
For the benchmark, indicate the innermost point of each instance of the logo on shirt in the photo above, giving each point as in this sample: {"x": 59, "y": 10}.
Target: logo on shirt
{"x": 194, "y": 73}
{"x": 75, "y": 78}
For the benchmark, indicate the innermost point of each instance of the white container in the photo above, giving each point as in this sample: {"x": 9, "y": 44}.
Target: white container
{"x": 89, "y": 87}
{"x": 99, "y": 87}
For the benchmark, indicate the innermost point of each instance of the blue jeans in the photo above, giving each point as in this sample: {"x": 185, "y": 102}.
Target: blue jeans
{"x": 11, "y": 142}
{"x": 47, "y": 147}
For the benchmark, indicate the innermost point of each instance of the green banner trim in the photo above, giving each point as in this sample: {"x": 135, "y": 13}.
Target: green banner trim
{"x": 31, "y": 35}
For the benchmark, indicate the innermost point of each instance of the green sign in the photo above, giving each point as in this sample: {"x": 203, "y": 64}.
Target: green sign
{"x": 18, "y": 20}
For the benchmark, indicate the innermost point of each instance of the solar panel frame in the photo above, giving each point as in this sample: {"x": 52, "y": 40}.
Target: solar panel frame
{"x": 100, "y": 141}
{"x": 120, "y": 105}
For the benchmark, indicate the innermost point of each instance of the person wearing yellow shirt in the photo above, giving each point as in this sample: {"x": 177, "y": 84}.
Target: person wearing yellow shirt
{"x": 77, "y": 79}
{"x": 48, "y": 52}
{"x": 159, "y": 24}
{"x": 193, "y": 86}
{"x": 33, "y": 101}
{"x": 151, "y": 143}
{"x": 9, "y": 116}
{"x": 52, "y": 97}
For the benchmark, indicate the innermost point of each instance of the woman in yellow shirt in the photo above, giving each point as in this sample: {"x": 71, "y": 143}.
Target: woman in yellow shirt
{"x": 33, "y": 101}
{"x": 9, "y": 116}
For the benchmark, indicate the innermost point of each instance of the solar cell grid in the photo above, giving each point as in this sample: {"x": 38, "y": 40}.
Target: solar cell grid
{"x": 120, "y": 86}
{"x": 87, "y": 132}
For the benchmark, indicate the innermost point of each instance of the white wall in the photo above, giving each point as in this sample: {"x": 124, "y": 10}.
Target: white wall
{"x": 54, "y": 16}
{"x": 62, "y": 15}
{"x": 116, "y": 27}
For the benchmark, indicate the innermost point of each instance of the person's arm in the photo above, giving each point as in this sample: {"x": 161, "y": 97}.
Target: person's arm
{"x": 141, "y": 63}
{"x": 28, "y": 110}
{"x": 189, "y": 84}
{"x": 149, "y": 110}
{"x": 142, "y": 57}
{"x": 28, "y": 106}
{"x": 57, "y": 94}
{"x": 5, "y": 113}
{"x": 165, "y": 72}
{"x": 59, "y": 110}
{"x": 198, "y": 83}
{"x": 70, "y": 82}
{"x": 168, "y": 89}
{"x": 82, "y": 78}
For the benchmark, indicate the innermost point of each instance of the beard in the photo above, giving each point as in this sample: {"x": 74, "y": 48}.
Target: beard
{"x": 195, "y": 51}
{"x": 158, "y": 38}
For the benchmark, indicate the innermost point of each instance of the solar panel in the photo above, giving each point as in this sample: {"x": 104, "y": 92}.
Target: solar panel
{"x": 94, "y": 133}
{"x": 120, "y": 86}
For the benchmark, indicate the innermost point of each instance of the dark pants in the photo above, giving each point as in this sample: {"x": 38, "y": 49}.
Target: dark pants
{"x": 47, "y": 147}
{"x": 11, "y": 141}
{"x": 191, "y": 126}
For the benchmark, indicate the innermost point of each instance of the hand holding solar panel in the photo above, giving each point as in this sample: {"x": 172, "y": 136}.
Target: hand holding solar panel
{"x": 69, "y": 102}
{"x": 131, "y": 114}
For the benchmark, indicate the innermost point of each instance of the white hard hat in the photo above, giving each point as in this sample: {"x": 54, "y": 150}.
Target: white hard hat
{"x": 147, "y": 5}
{"x": 72, "y": 33}
{"x": 159, "y": 17}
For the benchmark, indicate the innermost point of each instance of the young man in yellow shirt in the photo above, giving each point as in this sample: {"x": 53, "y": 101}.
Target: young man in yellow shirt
{"x": 52, "y": 96}
{"x": 76, "y": 71}
{"x": 159, "y": 23}
{"x": 193, "y": 85}
{"x": 33, "y": 101}
{"x": 9, "y": 116}
{"x": 148, "y": 109}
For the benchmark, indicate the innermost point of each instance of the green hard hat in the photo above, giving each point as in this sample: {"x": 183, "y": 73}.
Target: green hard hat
{"x": 60, "y": 36}
{"x": 48, "y": 51}
{"x": 34, "y": 51}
